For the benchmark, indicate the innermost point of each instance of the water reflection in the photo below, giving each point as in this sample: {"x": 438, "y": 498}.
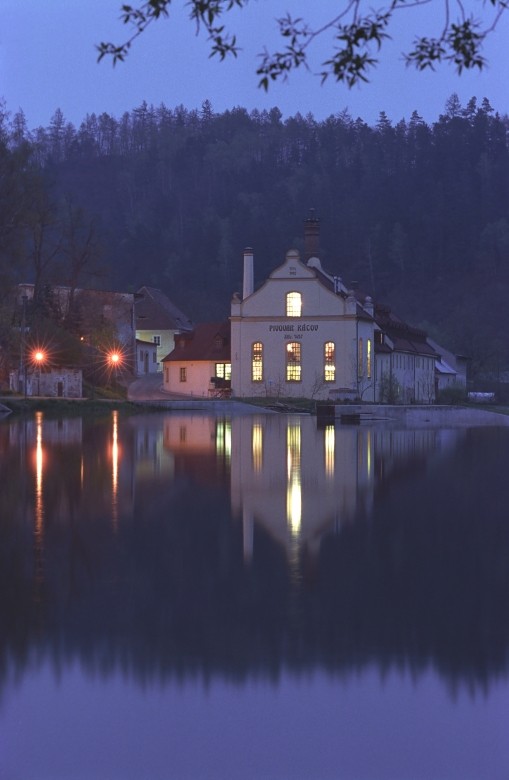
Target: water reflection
{"x": 169, "y": 544}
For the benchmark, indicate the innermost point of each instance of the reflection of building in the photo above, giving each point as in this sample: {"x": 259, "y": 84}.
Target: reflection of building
{"x": 296, "y": 480}
{"x": 200, "y": 445}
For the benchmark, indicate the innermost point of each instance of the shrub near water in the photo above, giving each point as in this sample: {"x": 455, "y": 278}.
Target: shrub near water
{"x": 452, "y": 395}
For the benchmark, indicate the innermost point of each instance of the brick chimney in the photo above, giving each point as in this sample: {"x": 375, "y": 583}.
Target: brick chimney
{"x": 311, "y": 236}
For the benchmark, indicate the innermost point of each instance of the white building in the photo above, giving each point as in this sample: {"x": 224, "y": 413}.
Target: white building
{"x": 303, "y": 333}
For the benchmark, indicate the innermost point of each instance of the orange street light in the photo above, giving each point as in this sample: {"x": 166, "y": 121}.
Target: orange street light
{"x": 115, "y": 360}
{"x": 38, "y": 358}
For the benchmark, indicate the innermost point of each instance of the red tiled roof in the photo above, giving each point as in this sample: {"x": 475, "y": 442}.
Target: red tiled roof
{"x": 208, "y": 341}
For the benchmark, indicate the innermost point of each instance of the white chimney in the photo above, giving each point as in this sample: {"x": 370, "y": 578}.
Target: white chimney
{"x": 248, "y": 273}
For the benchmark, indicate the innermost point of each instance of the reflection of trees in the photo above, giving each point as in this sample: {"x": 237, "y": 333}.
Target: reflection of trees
{"x": 425, "y": 581}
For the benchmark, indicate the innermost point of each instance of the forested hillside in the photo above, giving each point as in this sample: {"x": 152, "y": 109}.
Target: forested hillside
{"x": 416, "y": 214}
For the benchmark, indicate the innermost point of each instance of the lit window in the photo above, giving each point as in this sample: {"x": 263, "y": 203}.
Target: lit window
{"x": 330, "y": 361}
{"x": 157, "y": 340}
{"x": 183, "y": 374}
{"x": 224, "y": 370}
{"x": 368, "y": 358}
{"x": 293, "y": 361}
{"x": 257, "y": 362}
{"x": 360, "y": 358}
{"x": 293, "y": 304}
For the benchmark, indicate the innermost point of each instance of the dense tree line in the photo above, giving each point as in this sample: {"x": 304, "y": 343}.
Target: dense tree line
{"x": 416, "y": 213}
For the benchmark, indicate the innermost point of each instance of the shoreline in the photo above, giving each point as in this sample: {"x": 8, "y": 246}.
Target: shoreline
{"x": 365, "y": 414}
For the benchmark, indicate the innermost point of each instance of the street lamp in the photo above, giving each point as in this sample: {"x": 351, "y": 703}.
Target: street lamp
{"x": 38, "y": 358}
{"x": 22, "y": 358}
{"x": 115, "y": 360}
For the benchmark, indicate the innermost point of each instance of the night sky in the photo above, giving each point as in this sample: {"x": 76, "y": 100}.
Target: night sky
{"x": 48, "y": 61}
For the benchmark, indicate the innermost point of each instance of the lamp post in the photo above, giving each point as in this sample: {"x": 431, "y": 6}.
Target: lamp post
{"x": 22, "y": 361}
{"x": 115, "y": 359}
{"x": 39, "y": 360}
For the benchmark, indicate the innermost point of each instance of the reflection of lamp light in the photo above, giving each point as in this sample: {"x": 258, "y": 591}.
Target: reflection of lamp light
{"x": 114, "y": 470}
{"x": 39, "y": 506}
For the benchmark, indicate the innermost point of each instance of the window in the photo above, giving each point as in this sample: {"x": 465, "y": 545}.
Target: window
{"x": 257, "y": 362}
{"x": 157, "y": 340}
{"x": 368, "y": 358}
{"x": 154, "y": 357}
{"x": 224, "y": 370}
{"x": 293, "y": 360}
{"x": 293, "y": 304}
{"x": 329, "y": 361}
{"x": 166, "y": 374}
{"x": 183, "y": 374}
{"x": 360, "y": 357}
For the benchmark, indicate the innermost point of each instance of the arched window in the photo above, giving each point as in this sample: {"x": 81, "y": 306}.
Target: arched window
{"x": 329, "y": 361}
{"x": 293, "y": 304}
{"x": 368, "y": 358}
{"x": 360, "y": 358}
{"x": 257, "y": 362}
{"x": 293, "y": 361}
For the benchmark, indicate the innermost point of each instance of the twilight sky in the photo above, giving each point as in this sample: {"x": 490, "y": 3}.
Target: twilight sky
{"x": 48, "y": 61}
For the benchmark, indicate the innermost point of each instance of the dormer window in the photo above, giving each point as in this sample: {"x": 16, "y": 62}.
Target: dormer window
{"x": 293, "y": 304}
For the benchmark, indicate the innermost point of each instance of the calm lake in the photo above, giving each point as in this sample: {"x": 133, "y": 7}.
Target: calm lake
{"x": 185, "y": 596}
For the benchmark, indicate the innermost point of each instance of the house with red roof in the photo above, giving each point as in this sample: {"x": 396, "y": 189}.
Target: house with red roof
{"x": 200, "y": 363}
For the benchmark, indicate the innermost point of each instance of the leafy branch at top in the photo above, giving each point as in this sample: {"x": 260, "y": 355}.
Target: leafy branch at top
{"x": 356, "y": 36}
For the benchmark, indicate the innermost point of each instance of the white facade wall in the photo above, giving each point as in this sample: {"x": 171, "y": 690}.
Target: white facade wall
{"x": 325, "y": 317}
{"x": 198, "y": 374}
{"x": 413, "y": 375}
{"x": 166, "y": 339}
{"x": 146, "y": 358}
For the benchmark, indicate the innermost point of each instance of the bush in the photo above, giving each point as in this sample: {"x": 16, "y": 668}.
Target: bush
{"x": 453, "y": 395}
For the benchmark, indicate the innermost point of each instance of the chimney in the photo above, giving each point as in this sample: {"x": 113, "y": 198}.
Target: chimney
{"x": 248, "y": 273}
{"x": 311, "y": 236}
{"x": 369, "y": 306}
